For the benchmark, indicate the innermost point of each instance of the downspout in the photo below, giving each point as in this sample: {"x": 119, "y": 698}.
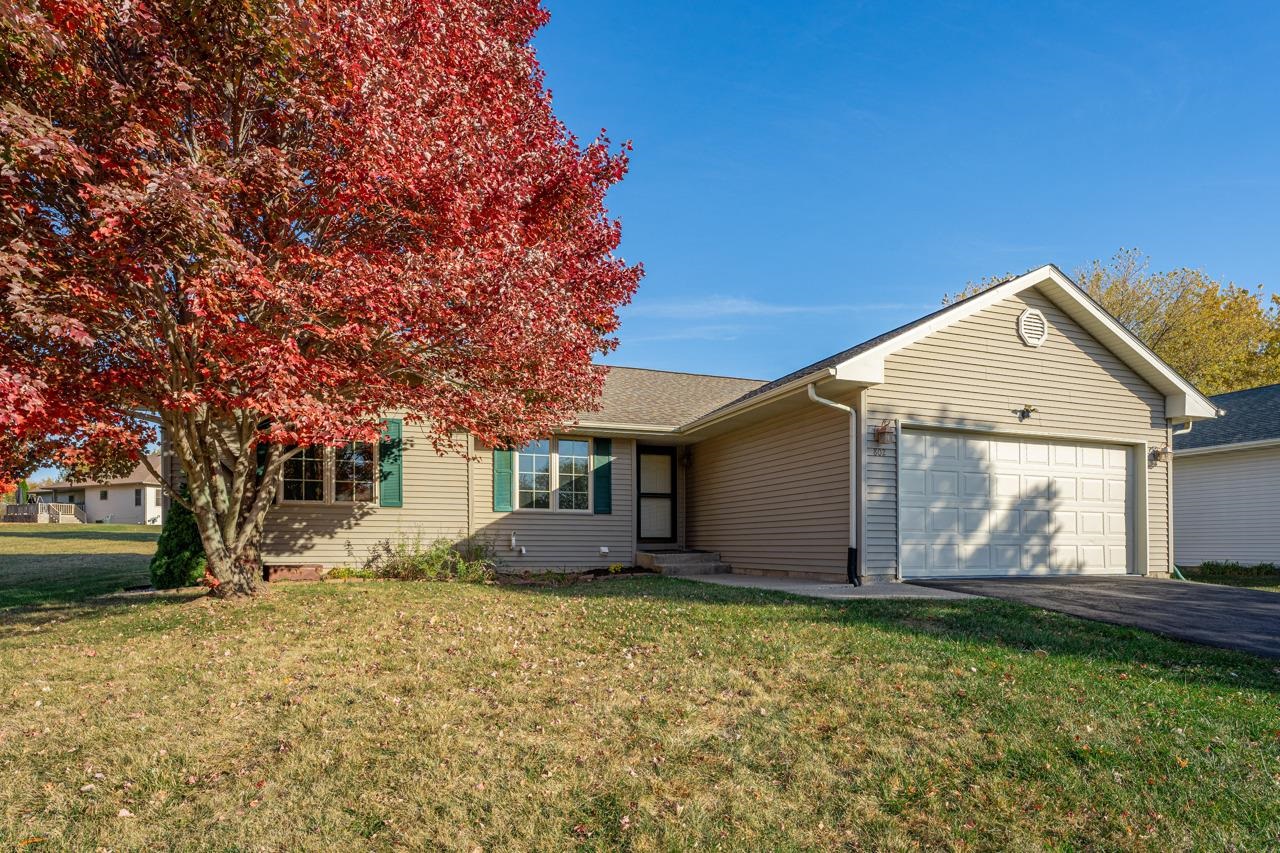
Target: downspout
{"x": 852, "y": 562}
{"x": 1173, "y": 431}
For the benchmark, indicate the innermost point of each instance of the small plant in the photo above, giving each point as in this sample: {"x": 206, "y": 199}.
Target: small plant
{"x": 343, "y": 572}
{"x": 179, "y": 559}
{"x": 470, "y": 560}
{"x": 614, "y": 568}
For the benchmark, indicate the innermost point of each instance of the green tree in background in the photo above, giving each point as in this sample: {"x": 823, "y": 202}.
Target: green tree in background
{"x": 1220, "y": 336}
{"x": 179, "y": 559}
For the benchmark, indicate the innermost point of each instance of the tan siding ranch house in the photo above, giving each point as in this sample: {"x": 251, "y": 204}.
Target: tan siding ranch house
{"x": 1021, "y": 431}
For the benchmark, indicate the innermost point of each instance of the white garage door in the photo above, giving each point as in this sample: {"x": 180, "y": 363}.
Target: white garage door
{"x": 974, "y": 505}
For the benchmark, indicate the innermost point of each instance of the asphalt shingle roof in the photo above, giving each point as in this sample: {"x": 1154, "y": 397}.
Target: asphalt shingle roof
{"x": 1252, "y": 415}
{"x": 633, "y": 395}
{"x": 139, "y": 475}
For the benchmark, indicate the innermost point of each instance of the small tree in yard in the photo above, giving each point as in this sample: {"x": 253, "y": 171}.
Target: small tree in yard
{"x": 179, "y": 558}
{"x": 262, "y": 224}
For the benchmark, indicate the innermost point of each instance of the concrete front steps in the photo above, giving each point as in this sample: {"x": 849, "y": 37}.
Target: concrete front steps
{"x": 678, "y": 563}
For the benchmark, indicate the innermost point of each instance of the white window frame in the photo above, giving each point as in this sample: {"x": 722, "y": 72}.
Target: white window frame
{"x": 554, "y": 443}
{"x": 329, "y": 467}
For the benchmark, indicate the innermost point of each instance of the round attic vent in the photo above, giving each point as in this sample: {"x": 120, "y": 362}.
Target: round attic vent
{"x": 1033, "y": 328}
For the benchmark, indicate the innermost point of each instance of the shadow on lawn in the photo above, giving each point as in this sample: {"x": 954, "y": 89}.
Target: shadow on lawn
{"x": 61, "y": 532}
{"x": 22, "y": 618}
{"x": 1002, "y": 625}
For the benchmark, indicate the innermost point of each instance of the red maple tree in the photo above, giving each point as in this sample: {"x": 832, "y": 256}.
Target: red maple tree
{"x": 266, "y": 223}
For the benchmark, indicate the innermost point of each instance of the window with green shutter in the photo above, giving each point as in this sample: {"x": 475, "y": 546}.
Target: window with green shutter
{"x": 602, "y": 474}
{"x": 502, "y": 480}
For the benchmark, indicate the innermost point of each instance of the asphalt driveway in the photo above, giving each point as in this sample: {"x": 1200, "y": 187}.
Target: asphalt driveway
{"x": 1228, "y": 617}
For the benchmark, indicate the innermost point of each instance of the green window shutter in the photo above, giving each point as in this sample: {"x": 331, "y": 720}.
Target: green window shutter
{"x": 602, "y": 472}
{"x": 391, "y": 464}
{"x": 502, "y": 460}
{"x": 261, "y": 452}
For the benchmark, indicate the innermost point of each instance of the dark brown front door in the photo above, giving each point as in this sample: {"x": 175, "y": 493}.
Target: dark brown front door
{"x": 656, "y": 504}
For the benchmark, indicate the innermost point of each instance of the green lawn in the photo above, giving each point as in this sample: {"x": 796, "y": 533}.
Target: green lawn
{"x": 44, "y": 563}
{"x": 650, "y": 714}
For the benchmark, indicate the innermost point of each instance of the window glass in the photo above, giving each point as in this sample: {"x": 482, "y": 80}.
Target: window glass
{"x": 102, "y": 495}
{"x": 353, "y": 472}
{"x": 304, "y": 476}
{"x": 533, "y": 472}
{"x": 573, "y": 468}
{"x": 137, "y": 497}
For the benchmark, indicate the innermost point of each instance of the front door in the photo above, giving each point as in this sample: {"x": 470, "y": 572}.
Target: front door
{"x": 656, "y": 506}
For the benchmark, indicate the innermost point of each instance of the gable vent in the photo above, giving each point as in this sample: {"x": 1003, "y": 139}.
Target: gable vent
{"x": 1033, "y": 328}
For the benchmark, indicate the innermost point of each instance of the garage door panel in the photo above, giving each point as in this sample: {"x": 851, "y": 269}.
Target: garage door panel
{"x": 972, "y": 505}
{"x": 1093, "y": 489}
{"x": 1064, "y": 488}
{"x": 942, "y": 448}
{"x": 975, "y": 485}
{"x": 975, "y": 520}
{"x": 944, "y": 483}
{"x": 976, "y": 558}
{"x": 976, "y": 450}
{"x": 944, "y": 519}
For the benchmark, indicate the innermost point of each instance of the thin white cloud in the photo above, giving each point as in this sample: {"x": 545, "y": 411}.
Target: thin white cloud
{"x": 690, "y": 333}
{"x": 733, "y": 306}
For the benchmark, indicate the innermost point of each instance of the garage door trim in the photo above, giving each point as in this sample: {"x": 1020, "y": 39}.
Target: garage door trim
{"x": 1139, "y": 563}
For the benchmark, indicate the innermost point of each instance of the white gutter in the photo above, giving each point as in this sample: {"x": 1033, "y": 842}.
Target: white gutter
{"x": 853, "y": 479}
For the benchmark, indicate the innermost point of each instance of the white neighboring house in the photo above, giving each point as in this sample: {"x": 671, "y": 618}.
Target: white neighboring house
{"x": 133, "y": 499}
{"x": 1226, "y": 484}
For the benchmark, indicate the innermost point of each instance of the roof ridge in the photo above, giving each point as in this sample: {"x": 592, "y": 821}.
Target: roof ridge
{"x": 1246, "y": 390}
{"x": 682, "y": 372}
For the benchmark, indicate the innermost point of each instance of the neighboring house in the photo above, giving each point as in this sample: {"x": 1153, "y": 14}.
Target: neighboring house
{"x": 1017, "y": 432}
{"x": 1226, "y": 496}
{"x": 133, "y": 499}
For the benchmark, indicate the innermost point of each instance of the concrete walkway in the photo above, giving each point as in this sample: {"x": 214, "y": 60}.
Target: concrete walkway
{"x": 829, "y": 591}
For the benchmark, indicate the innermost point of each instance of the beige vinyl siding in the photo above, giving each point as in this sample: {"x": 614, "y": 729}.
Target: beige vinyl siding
{"x": 1226, "y": 506}
{"x": 774, "y": 497}
{"x": 560, "y": 540}
{"x": 976, "y": 372}
{"x": 435, "y": 506}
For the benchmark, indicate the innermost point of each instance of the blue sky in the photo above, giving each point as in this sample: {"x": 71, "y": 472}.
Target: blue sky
{"x": 807, "y": 175}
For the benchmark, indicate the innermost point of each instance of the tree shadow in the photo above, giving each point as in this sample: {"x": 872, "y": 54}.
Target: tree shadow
{"x": 961, "y": 624}
{"x": 25, "y": 618}
{"x": 74, "y": 532}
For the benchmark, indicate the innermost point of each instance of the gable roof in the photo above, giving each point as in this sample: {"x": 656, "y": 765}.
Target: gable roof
{"x": 662, "y": 399}
{"x": 139, "y": 476}
{"x": 1252, "y": 416}
{"x": 863, "y": 365}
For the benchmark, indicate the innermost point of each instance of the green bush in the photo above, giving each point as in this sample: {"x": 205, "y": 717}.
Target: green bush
{"x": 1229, "y": 569}
{"x": 179, "y": 559}
{"x": 471, "y": 561}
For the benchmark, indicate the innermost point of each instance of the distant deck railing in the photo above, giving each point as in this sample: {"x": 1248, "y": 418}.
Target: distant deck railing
{"x": 46, "y": 512}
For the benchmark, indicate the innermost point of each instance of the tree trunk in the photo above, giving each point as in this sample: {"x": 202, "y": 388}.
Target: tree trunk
{"x": 236, "y": 575}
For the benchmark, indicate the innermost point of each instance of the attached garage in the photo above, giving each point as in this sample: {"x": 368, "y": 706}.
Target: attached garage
{"x": 1022, "y": 431}
{"x": 976, "y": 504}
